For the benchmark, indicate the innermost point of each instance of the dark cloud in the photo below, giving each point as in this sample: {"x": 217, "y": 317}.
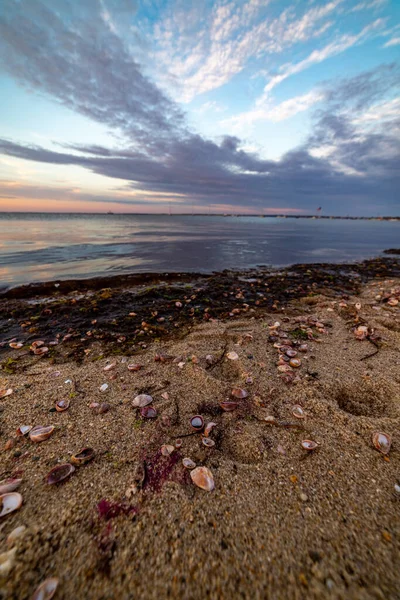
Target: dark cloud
{"x": 69, "y": 51}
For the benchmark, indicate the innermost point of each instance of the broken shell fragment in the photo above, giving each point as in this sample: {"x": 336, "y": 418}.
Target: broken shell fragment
{"x": 382, "y": 442}
{"x": 197, "y": 422}
{"x": 41, "y": 433}
{"x": 208, "y": 428}
{"x": 83, "y": 457}
{"x": 4, "y": 393}
{"x": 134, "y": 367}
{"x": 361, "y": 332}
{"x": 104, "y": 387}
{"x": 148, "y": 412}
{"x": 239, "y": 393}
{"x": 9, "y": 485}
{"x": 59, "y": 473}
{"x": 295, "y": 362}
{"x": 228, "y": 405}
{"x": 208, "y": 442}
{"x": 62, "y": 405}
{"x": 16, "y": 345}
{"x": 110, "y": 367}
{"x": 46, "y": 590}
{"x": 9, "y": 503}
{"x": 15, "y": 535}
{"x": 142, "y": 400}
{"x": 309, "y": 445}
{"x": 188, "y": 463}
{"x": 23, "y": 429}
{"x": 36, "y": 344}
{"x": 40, "y": 351}
{"x": 232, "y": 356}
{"x": 298, "y": 412}
{"x": 167, "y": 449}
{"x": 178, "y": 443}
{"x": 203, "y": 478}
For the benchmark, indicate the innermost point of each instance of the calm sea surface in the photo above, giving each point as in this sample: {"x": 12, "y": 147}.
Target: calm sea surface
{"x": 45, "y": 247}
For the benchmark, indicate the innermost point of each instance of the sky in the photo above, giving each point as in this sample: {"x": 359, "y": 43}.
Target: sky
{"x": 257, "y": 106}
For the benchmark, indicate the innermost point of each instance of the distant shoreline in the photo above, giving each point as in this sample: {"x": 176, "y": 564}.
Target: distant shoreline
{"x": 262, "y": 216}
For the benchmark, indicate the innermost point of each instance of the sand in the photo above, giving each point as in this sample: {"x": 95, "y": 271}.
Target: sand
{"x": 281, "y": 523}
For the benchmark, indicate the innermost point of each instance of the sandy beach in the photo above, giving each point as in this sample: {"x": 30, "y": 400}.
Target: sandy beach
{"x": 316, "y": 357}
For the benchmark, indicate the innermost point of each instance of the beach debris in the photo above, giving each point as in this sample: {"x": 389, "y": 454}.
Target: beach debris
{"x": 208, "y": 428}
{"x": 46, "y": 590}
{"x": 203, "y": 478}
{"x": 104, "y": 387}
{"x": 7, "y": 560}
{"x": 62, "y": 405}
{"x": 148, "y": 412}
{"x": 239, "y": 393}
{"x": 228, "y": 405}
{"x": 134, "y": 367}
{"x": 197, "y": 422}
{"x": 9, "y": 502}
{"x": 16, "y": 345}
{"x": 9, "y": 485}
{"x": 142, "y": 400}
{"x": 178, "y": 443}
{"x": 110, "y": 367}
{"x": 59, "y": 473}
{"x": 188, "y": 463}
{"x": 358, "y": 306}
{"x": 208, "y": 442}
{"x": 295, "y": 362}
{"x": 40, "y": 351}
{"x": 298, "y": 412}
{"x": 232, "y": 355}
{"x": 181, "y": 364}
{"x": 5, "y": 393}
{"x": 361, "y": 332}
{"x": 167, "y": 449}
{"x": 15, "y": 534}
{"x": 36, "y": 344}
{"x": 82, "y": 457}
{"x": 309, "y": 445}
{"x": 382, "y": 441}
{"x": 41, "y": 433}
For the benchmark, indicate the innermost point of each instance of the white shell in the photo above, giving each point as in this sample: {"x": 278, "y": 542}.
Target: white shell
{"x": 9, "y": 485}
{"x": 9, "y": 503}
{"x": 188, "y": 463}
{"x": 203, "y": 478}
{"x": 46, "y": 590}
{"x": 232, "y": 356}
{"x": 4, "y": 393}
{"x": 104, "y": 387}
{"x": 142, "y": 400}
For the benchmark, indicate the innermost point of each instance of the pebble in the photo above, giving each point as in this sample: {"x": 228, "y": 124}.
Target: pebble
{"x": 303, "y": 497}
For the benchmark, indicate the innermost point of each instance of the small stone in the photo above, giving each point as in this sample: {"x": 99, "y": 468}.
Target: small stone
{"x": 104, "y": 387}
{"x": 303, "y": 497}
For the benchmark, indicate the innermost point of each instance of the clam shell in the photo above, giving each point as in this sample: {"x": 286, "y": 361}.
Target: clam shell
{"x": 9, "y": 503}
{"x": 203, "y": 478}
{"x": 178, "y": 443}
{"x": 309, "y": 445}
{"x": 382, "y": 441}
{"x": 4, "y": 393}
{"x": 16, "y": 345}
{"x": 62, "y": 405}
{"x": 41, "y": 350}
{"x": 197, "y": 422}
{"x": 208, "y": 428}
{"x": 239, "y": 393}
{"x": 134, "y": 367}
{"x": 59, "y": 473}
{"x": 23, "y": 429}
{"x": 83, "y": 457}
{"x": 148, "y": 412}
{"x": 9, "y": 485}
{"x": 142, "y": 400}
{"x": 110, "y": 367}
{"x": 37, "y": 344}
{"x": 188, "y": 463}
{"x": 228, "y": 405}
{"x": 291, "y": 353}
{"x": 298, "y": 412}
{"x": 46, "y": 590}
{"x": 232, "y": 355}
{"x": 303, "y": 348}
{"x": 41, "y": 433}
{"x": 295, "y": 362}
{"x": 167, "y": 449}
{"x": 208, "y": 442}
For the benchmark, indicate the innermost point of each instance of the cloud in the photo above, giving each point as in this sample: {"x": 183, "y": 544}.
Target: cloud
{"x": 393, "y": 42}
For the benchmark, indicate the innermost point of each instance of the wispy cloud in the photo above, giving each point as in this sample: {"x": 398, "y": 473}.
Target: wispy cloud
{"x": 393, "y": 42}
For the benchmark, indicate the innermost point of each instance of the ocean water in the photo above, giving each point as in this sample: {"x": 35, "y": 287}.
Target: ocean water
{"x": 46, "y": 247}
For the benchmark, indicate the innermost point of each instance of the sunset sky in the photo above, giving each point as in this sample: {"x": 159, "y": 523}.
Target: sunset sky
{"x": 245, "y": 106}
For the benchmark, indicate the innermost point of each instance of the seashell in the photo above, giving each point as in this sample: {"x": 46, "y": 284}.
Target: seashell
{"x": 104, "y": 387}
{"x": 203, "y": 478}
{"x": 309, "y": 445}
{"x": 36, "y": 344}
{"x": 208, "y": 442}
{"x": 361, "y": 332}
{"x": 134, "y": 367}
{"x": 62, "y": 405}
{"x": 148, "y": 412}
{"x": 228, "y": 405}
{"x": 83, "y": 457}
{"x": 291, "y": 353}
{"x": 59, "y": 473}
{"x": 40, "y": 351}
{"x": 16, "y": 345}
{"x": 393, "y": 302}
{"x": 303, "y": 348}
{"x": 178, "y": 443}
{"x": 397, "y": 488}
{"x": 269, "y": 419}
{"x": 358, "y": 305}
{"x": 208, "y": 428}
{"x": 110, "y": 367}
{"x": 295, "y": 362}
{"x": 188, "y": 463}
{"x": 9, "y": 485}
{"x": 298, "y": 412}
{"x": 276, "y": 325}
{"x": 284, "y": 368}
{"x": 41, "y": 433}
{"x": 181, "y": 364}
{"x": 103, "y": 408}
{"x": 5, "y": 393}
{"x": 197, "y": 422}
{"x": 7, "y": 560}
{"x": 232, "y": 356}
{"x": 9, "y": 503}
{"x": 94, "y": 405}
{"x": 210, "y": 359}
{"x": 178, "y": 304}
{"x": 142, "y": 400}
{"x": 239, "y": 393}
{"x": 382, "y": 441}
{"x": 15, "y": 535}
{"x": 163, "y": 358}
{"x": 46, "y": 590}
{"x": 167, "y": 449}
{"x": 165, "y": 396}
